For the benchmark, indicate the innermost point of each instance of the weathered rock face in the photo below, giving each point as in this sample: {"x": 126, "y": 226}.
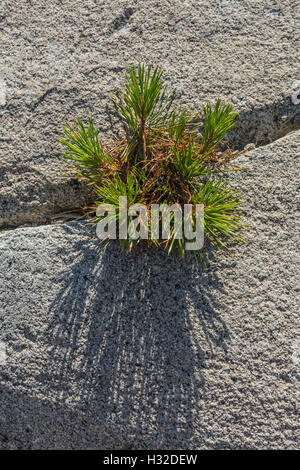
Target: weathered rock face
{"x": 152, "y": 353}
{"x": 60, "y": 62}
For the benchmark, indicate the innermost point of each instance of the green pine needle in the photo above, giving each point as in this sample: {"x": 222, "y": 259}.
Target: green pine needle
{"x": 164, "y": 158}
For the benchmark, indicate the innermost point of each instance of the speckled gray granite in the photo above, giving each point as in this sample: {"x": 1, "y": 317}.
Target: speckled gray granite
{"x": 60, "y": 60}
{"x": 113, "y": 352}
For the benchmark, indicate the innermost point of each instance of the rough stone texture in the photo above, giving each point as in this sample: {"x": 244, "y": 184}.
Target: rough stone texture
{"x": 60, "y": 60}
{"x": 152, "y": 353}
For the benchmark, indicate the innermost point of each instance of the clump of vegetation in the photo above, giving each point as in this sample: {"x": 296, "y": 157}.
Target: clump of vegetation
{"x": 163, "y": 159}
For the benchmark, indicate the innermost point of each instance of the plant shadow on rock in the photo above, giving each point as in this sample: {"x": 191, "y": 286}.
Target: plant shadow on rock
{"x": 130, "y": 339}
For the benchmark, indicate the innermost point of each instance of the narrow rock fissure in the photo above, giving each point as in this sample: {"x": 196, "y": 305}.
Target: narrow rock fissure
{"x": 254, "y": 128}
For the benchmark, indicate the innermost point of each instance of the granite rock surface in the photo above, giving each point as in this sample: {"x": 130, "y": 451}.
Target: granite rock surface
{"x": 60, "y": 60}
{"x": 114, "y": 352}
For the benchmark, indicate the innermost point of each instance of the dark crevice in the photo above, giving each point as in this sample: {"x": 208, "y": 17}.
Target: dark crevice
{"x": 262, "y": 126}
{"x": 256, "y": 126}
{"x": 121, "y": 20}
{"x": 42, "y": 97}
